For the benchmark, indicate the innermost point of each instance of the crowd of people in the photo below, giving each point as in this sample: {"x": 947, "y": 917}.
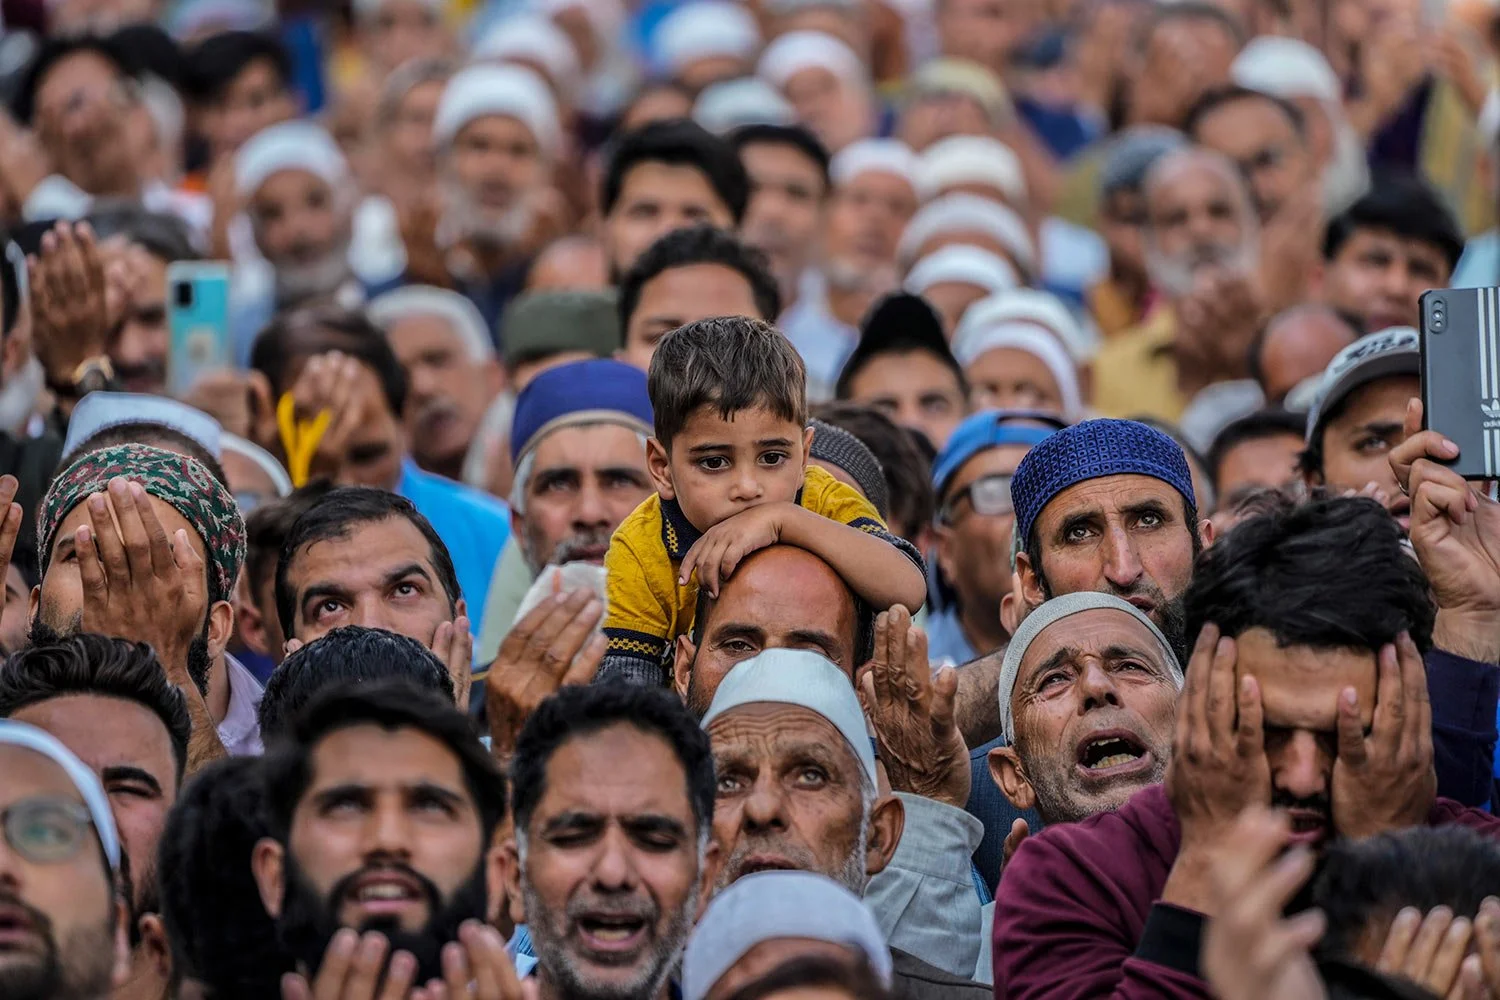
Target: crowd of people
{"x": 743, "y": 499}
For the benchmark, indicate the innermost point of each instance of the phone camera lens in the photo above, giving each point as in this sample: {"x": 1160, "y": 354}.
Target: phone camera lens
{"x": 184, "y": 295}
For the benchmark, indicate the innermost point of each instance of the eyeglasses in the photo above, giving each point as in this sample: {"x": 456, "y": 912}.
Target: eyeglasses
{"x": 46, "y": 831}
{"x": 989, "y": 496}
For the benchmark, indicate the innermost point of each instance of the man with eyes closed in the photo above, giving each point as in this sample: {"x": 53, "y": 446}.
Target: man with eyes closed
{"x": 362, "y": 556}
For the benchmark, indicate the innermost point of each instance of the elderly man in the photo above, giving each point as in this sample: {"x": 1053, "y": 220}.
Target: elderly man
{"x": 1201, "y": 252}
{"x": 1306, "y": 690}
{"x": 110, "y": 703}
{"x": 382, "y": 807}
{"x": 1088, "y": 694}
{"x": 794, "y": 712}
{"x": 578, "y": 441}
{"x": 58, "y": 869}
{"x": 451, "y": 371}
{"x": 146, "y": 544}
{"x": 874, "y": 197}
{"x": 826, "y": 82}
{"x": 498, "y": 136}
{"x": 772, "y": 917}
{"x": 608, "y": 876}
{"x": 294, "y": 184}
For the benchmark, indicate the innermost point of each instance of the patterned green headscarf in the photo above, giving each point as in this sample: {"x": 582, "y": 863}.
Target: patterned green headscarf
{"x": 181, "y": 481}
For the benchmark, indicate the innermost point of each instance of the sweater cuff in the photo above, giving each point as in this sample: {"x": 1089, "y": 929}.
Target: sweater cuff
{"x": 1171, "y": 938}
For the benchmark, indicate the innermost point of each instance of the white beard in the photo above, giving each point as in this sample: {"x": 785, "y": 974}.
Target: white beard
{"x": 463, "y": 219}
{"x": 300, "y": 282}
{"x": 1177, "y": 275}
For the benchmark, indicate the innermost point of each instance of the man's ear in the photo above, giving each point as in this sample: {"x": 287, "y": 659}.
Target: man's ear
{"x": 708, "y": 875}
{"x": 1007, "y": 773}
{"x": 263, "y": 429}
{"x": 1206, "y": 532}
{"x": 250, "y": 624}
{"x": 945, "y": 544}
{"x": 887, "y": 820}
{"x": 659, "y": 465}
{"x": 155, "y": 947}
{"x": 220, "y": 628}
{"x": 507, "y": 869}
{"x": 1032, "y": 594}
{"x": 497, "y": 896}
{"x": 682, "y": 664}
{"x": 35, "y": 603}
{"x": 1012, "y": 611}
{"x": 266, "y": 864}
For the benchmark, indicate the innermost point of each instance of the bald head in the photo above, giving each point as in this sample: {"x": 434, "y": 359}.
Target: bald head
{"x": 781, "y": 597}
{"x": 1297, "y": 344}
{"x": 573, "y": 262}
{"x": 1198, "y": 216}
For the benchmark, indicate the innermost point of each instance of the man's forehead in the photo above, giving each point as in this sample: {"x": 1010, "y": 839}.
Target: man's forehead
{"x": 1106, "y": 494}
{"x": 766, "y": 726}
{"x": 1091, "y": 633}
{"x": 372, "y": 756}
{"x": 368, "y": 549}
{"x": 584, "y": 445}
{"x": 29, "y": 773}
{"x": 650, "y": 777}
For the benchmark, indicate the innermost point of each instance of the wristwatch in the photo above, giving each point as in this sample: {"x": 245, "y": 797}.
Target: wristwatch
{"x": 92, "y": 375}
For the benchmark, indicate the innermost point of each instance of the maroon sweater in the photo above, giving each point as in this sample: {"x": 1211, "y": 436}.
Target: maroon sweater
{"x": 1074, "y": 914}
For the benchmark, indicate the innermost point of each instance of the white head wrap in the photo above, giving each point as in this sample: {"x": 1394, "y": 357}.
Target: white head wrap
{"x": 426, "y": 300}
{"x": 1286, "y": 68}
{"x": 798, "y": 677}
{"x": 969, "y": 213}
{"x": 264, "y": 460}
{"x": 970, "y": 159}
{"x": 730, "y": 104}
{"x": 100, "y": 411}
{"x": 799, "y": 50}
{"x": 890, "y": 156}
{"x": 705, "y": 29}
{"x": 292, "y": 145}
{"x": 766, "y": 906}
{"x": 509, "y": 91}
{"x": 964, "y": 265}
{"x": 20, "y": 734}
{"x": 1052, "y": 612}
{"x": 532, "y": 37}
{"x": 1027, "y": 305}
{"x": 976, "y": 341}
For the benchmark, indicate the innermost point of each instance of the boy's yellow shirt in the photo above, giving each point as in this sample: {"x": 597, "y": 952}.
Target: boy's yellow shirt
{"x": 648, "y": 610}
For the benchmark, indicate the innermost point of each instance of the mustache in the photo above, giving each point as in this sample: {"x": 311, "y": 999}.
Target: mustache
{"x": 575, "y": 545}
{"x": 341, "y": 888}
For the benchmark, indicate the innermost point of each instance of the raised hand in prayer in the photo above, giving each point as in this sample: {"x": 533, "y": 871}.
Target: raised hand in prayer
{"x": 68, "y": 300}
{"x": 1455, "y": 532}
{"x": 555, "y": 643}
{"x": 912, "y": 712}
{"x": 1386, "y": 780}
{"x": 453, "y": 644}
{"x": 1218, "y": 767}
{"x": 1487, "y": 949}
{"x": 1250, "y": 951}
{"x": 1430, "y": 951}
{"x": 352, "y": 969}
{"x": 478, "y": 968}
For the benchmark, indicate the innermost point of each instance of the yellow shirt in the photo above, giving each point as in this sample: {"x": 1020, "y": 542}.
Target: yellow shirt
{"x": 1135, "y": 373}
{"x": 648, "y": 609}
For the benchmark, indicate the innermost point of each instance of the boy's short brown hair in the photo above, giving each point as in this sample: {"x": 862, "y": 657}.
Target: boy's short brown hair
{"x": 732, "y": 362}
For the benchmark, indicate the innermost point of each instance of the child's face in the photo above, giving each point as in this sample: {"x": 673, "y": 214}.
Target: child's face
{"x": 719, "y": 467}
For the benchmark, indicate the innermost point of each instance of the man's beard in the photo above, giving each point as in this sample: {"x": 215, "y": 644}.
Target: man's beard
{"x": 140, "y": 898}
{"x": 850, "y": 872}
{"x": 1058, "y": 800}
{"x": 571, "y": 982}
{"x": 199, "y": 663}
{"x": 465, "y": 219}
{"x": 298, "y": 281}
{"x": 845, "y": 275}
{"x": 1176, "y": 274}
{"x": 309, "y": 921}
{"x": 80, "y": 971}
{"x": 581, "y": 545}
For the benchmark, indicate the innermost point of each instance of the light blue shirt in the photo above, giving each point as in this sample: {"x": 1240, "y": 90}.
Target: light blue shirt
{"x": 1479, "y": 267}
{"x": 473, "y": 525}
{"x": 945, "y": 638}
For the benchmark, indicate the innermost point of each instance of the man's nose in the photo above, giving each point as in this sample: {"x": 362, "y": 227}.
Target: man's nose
{"x": 591, "y": 510}
{"x": 1122, "y": 566}
{"x": 613, "y": 869}
{"x": 765, "y": 807}
{"x": 1301, "y": 770}
{"x": 1095, "y": 685}
{"x": 388, "y": 831}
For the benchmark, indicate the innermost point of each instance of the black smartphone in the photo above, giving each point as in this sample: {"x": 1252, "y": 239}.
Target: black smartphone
{"x": 1461, "y": 375}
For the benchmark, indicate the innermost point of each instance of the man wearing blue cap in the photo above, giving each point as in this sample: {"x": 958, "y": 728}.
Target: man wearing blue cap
{"x": 578, "y": 444}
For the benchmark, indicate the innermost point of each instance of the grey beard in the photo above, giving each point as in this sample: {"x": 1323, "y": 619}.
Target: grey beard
{"x": 845, "y": 276}
{"x": 1176, "y": 275}
{"x": 297, "y": 283}
{"x": 465, "y": 220}
{"x": 19, "y": 395}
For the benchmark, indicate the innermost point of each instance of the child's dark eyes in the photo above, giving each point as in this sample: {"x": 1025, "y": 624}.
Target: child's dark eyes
{"x": 713, "y": 463}
{"x": 773, "y": 458}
